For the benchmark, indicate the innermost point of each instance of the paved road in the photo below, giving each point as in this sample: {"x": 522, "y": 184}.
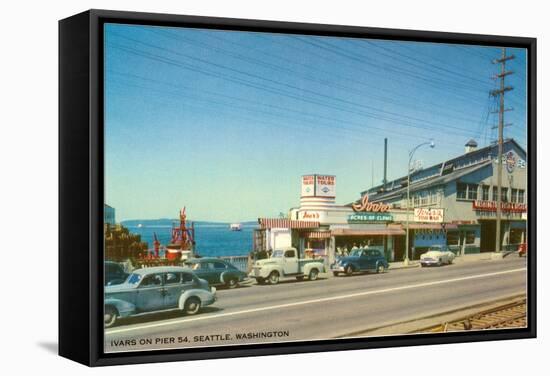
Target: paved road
{"x": 326, "y": 308}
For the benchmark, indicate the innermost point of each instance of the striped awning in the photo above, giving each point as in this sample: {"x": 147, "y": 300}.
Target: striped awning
{"x": 318, "y": 235}
{"x": 365, "y": 232}
{"x": 286, "y": 223}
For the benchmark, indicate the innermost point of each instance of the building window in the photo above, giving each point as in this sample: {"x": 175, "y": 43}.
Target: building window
{"x": 495, "y": 193}
{"x": 504, "y": 192}
{"x": 485, "y": 192}
{"x": 472, "y": 191}
{"x": 514, "y": 195}
{"x": 470, "y": 237}
{"x": 466, "y": 191}
{"x": 461, "y": 191}
{"x": 452, "y": 238}
{"x": 416, "y": 200}
{"x": 424, "y": 198}
{"x": 521, "y": 196}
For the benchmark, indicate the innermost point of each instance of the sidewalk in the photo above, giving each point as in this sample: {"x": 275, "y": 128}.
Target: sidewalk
{"x": 458, "y": 260}
{"x": 401, "y": 265}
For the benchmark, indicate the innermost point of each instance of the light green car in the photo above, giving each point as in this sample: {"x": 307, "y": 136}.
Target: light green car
{"x": 162, "y": 288}
{"x": 285, "y": 263}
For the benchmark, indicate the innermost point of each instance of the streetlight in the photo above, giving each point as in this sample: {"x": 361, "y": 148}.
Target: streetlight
{"x": 411, "y": 154}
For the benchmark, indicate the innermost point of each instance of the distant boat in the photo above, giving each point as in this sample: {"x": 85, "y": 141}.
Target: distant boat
{"x": 235, "y": 227}
{"x": 139, "y": 225}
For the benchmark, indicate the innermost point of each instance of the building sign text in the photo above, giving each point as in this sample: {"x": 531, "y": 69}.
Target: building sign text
{"x": 370, "y": 217}
{"x": 513, "y": 207}
{"x": 431, "y": 215}
{"x": 366, "y": 206}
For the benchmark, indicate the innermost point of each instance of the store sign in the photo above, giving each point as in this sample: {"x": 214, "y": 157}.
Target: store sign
{"x": 512, "y": 207}
{"x": 428, "y": 215}
{"x": 318, "y": 186}
{"x": 325, "y": 185}
{"x": 310, "y": 215}
{"x": 370, "y": 217}
{"x": 308, "y": 186}
{"x": 510, "y": 162}
{"x": 366, "y": 206}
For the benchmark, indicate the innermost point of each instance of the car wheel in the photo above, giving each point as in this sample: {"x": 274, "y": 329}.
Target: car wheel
{"x": 348, "y": 270}
{"x": 110, "y": 317}
{"x": 335, "y": 274}
{"x": 192, "y": 305}
{"x": 380, "y": 269}
{"x": 274, "y": 277}
{"x": 313, "y": 274}
{"x": 232, "y": 283}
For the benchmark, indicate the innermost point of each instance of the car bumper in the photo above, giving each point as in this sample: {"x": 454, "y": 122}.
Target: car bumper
{"x": 337, "y": 268}
{"x": 257, "y": 273}
{"x": 429, "y": 262}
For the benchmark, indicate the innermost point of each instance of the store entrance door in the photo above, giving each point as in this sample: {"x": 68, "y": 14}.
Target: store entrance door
{"x": 399, "y": 247}
{"x": 488, "y": 235}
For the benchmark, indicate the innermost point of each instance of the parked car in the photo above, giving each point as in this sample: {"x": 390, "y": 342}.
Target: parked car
{"x": 114, "y": 273}
{"x": 284, "y": 263}
{"x": 216, "y": 271}
{"x": 157, "y": 289}
{"x": 361, "y": 260}
{"x": 437, "y": 255}
{"x": 522, "y": 250}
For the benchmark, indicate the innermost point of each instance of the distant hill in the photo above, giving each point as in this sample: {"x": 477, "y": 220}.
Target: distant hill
{"x": 168, "y": 222}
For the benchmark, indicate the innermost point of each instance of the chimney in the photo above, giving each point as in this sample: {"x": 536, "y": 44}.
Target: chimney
{"x": 470, "y": 146}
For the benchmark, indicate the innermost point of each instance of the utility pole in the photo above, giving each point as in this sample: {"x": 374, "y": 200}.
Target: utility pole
{"x": 500, "y": 93}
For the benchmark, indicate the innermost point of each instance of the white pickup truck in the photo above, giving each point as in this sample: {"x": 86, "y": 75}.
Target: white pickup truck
{"x": 285, "y": 263}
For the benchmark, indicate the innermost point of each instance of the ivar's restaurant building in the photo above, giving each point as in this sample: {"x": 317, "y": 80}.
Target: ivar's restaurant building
{"x": 451, "y": 203}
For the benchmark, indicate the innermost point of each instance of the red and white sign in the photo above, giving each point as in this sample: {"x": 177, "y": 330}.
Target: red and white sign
{"x": 366, "y": 206}
{"x": 308, "y": 186}
{"x": 430, "y": 215}
{"x": 512, "y": 207}
{"x": 319, "y": 186}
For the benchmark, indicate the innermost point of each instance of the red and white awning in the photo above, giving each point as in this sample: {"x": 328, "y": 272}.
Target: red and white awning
{"x": 286, "y": 223}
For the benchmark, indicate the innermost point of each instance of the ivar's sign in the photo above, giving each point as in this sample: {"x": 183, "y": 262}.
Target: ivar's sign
{"x": 366, "y": 206}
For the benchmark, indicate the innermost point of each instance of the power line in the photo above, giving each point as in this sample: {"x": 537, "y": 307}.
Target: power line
{"x": 385, "y": 115}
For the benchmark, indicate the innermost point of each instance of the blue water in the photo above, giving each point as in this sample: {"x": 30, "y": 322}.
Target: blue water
{"x": 211, "y": 239}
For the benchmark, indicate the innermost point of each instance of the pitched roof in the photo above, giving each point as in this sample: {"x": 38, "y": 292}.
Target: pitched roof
{"x": 432, "y": 181}
{"x": 438, "y": 166}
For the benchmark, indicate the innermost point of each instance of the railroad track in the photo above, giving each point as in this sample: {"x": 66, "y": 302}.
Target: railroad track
{"x": 510, "y": 315}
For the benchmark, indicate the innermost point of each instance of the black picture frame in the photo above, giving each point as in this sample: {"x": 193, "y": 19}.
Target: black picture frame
{"x": 81, "y": 186}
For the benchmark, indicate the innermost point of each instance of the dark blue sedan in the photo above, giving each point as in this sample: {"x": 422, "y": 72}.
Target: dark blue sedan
{"x": 361, "y": 260}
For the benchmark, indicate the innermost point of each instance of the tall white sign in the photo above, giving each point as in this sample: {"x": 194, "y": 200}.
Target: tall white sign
{"x": 319, "y": 186}
{"x": 325, "y": 185}
{"x": 308, "y": 185}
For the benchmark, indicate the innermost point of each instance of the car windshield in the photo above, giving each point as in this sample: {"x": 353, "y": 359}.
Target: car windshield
{"x": 356, "y": 252}
{"x": 434, "y": 248}
{"x": 193, "y": 265}
{"x": 134, "y": 279}
{"x": 277, "y": 253}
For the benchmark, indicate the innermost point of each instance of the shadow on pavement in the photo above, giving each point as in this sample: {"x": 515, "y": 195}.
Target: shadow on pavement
{"x": 159, "y": 316}
{"x": 50, "y": 347}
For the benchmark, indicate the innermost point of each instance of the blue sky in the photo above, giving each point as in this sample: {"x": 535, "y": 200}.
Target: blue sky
{"x": 226, "y": 123}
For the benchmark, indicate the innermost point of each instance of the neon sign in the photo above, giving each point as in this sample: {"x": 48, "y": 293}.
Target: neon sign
{"x": 366, "y": 206}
